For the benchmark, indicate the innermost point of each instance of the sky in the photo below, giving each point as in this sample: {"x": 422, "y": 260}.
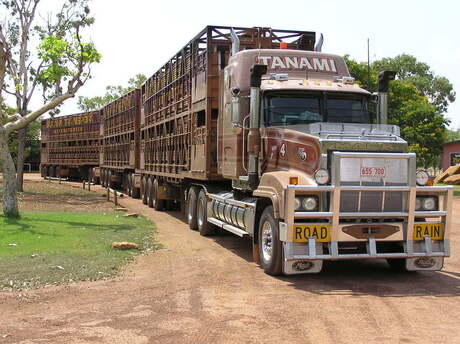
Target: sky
{"x": 139, "y": 36}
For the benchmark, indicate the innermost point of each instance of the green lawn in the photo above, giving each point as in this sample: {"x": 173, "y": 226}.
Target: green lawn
{"x": 456, "y": 188}
{"x": 44, "y": 248}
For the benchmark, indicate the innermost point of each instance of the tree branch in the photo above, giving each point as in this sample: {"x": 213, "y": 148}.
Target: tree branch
{"x": 25, "y": 120}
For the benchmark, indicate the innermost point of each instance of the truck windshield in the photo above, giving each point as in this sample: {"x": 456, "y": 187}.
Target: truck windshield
{"x": 301, "y": 108}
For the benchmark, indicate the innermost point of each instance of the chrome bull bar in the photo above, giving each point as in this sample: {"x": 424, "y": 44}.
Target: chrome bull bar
{"x": 334, "y": 215}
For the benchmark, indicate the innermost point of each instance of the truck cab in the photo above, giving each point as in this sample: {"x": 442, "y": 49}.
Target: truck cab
{"x": 315, "y": 175}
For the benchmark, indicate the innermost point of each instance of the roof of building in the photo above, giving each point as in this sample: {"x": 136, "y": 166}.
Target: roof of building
{"x": 448, "y": 143}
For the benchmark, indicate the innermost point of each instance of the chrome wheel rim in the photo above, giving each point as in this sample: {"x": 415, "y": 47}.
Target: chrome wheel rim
{"x": 267, "y": 242}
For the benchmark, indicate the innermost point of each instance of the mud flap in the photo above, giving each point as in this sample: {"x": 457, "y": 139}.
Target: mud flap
{"x": 255, "y": 253}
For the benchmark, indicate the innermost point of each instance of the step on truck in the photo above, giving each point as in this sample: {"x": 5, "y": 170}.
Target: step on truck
{"x": 257, "y": 132}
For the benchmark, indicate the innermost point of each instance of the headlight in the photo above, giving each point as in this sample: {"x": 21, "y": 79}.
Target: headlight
{"x": 421, "y": 177}
{"x": 426, "y": 203}
{"x": 310, "y": 203}
{"x": 429, "y": 203}
{"x": 322, "y": 176}
{"x": 297, "y": 203}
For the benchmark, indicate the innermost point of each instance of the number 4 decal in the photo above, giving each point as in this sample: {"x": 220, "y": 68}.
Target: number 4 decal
{"x": 283, "y": 150}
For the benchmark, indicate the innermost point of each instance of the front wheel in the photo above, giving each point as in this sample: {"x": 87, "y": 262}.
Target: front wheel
{"x": 270, "y": 248}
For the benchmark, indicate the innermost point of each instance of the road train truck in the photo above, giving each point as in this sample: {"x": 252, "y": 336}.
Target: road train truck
{"x": 257, "y": 132}
{"x": 70, "y": 145}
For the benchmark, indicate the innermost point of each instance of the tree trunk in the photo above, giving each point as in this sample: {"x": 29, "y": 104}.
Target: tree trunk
{"x": 10, "y": 200}
{"x": 20, "y": 158}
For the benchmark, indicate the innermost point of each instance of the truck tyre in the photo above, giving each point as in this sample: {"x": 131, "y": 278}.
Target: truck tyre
{"x": 129, "y": 187}
{"x": 52, "y": 171}
{"x": 148, "y": 191}
{"x": 158, "y": 204}
{"x": 204, "y": 227}
{"x": 144, "y": 190}
{"x": 191, "y": 207}
{"x": 398, "y": 264}
{"x": 135, "y": 192}
{"x": 270, "y": 248}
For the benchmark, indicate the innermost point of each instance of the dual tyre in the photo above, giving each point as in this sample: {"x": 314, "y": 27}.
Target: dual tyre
{"x": 197, "y": 212}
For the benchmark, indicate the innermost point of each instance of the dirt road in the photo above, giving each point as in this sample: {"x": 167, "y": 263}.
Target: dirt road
{"x": 208, "y": 290}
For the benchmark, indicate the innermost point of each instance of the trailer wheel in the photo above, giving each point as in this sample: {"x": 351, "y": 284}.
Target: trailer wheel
{"x": 270, "y": 248}
{"x": 149, "y": 192}
{"x": 204, "y": 227}
{"x": 129, "y": 188}
{"x": 135, "y": 192}
{"x": 52, "y": 171}
{"x": 158, "y": 204}
{"x": 144, "y": 190}
{"x": 191, "y": 207}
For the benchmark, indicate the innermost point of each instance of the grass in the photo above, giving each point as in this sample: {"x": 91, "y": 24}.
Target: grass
{"x": 43, "y": 248}
{"x": 456, "y": 188}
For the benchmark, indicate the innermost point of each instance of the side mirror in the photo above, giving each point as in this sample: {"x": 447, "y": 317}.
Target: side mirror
{"x": 374, "y": 98}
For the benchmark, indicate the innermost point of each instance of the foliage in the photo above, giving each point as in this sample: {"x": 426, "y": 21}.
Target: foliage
{"x": 47, "y": 54}
{"x": 437, "y": 88}
{"x": 55, "y": 247}
{"x": 112, "y": 93}
{"x": 417, "y": 100}
{"x": 32, "y": 147}
{"x": 452, "y": 135}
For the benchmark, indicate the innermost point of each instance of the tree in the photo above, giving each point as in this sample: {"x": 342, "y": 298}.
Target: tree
{"x": 438, "y": 89}
{"x": 452, "y": 135}
{"x": 112, "y": 93}
{"x": 417, "y": 101}
{"x": 49, "y": 55}
{"x": 32, "y": 142}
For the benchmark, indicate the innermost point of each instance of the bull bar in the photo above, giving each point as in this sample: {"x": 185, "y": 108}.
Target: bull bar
{"x": 334, "y": 215}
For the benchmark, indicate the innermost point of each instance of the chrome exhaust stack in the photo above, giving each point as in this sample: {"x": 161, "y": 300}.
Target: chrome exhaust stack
{"x": 384, "y": 82}
{"x": 235, "y": 41}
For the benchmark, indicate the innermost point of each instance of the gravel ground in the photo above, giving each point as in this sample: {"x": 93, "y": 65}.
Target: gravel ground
{"x": 208, "y": 290}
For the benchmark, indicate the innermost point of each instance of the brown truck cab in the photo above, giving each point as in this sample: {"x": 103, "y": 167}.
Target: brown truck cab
{"x": 314, "y": 175}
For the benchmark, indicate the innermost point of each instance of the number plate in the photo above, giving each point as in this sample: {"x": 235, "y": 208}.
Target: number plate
{"x": 321, "y": 233}
{"x": 433, "y": 230}
{"x": 373, "y": 172}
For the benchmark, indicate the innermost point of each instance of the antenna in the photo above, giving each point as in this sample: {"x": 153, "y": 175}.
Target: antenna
{"x": 368, "y": 68}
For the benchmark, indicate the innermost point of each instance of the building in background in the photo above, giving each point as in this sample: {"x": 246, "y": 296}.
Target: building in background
{"x": 450, "y": 154}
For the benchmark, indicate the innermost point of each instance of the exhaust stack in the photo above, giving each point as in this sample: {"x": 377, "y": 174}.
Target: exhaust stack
{"x": 384, "y": 82}
{"x": 235, "y": 41}
{"x": 257, "y": 71}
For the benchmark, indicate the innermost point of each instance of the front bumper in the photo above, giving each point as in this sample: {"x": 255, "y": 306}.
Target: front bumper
{"x": 315, "y": 252}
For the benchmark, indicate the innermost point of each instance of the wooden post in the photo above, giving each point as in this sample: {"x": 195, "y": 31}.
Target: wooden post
{"x": 84, "y": 182}
{"x": 115, "y": 200}
{"x": 108, "y": 194}
{"x": 89, "y": 185}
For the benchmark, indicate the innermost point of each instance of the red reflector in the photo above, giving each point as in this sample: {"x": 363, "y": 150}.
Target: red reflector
{"x": 283, "y": 45}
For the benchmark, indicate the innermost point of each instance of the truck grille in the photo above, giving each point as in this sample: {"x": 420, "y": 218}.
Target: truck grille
{"x": 372, "y": 172}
